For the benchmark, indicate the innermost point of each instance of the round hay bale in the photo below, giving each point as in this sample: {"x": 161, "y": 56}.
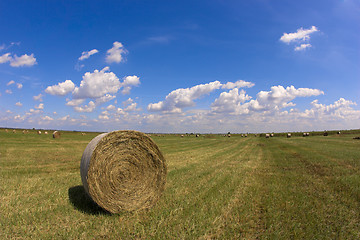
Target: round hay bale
{"x": 39, "y": 132}
{"x": 123, "y": 171}
{"x": 56, "y": 134}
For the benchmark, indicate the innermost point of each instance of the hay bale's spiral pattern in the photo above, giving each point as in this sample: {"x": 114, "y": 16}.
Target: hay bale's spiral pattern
{"x": 123, "y": 171}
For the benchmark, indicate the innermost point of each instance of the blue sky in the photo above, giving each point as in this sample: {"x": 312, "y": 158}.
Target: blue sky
{"x": 180, "y": 66}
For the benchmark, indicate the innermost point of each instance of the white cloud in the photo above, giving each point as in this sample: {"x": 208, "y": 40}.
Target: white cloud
{"x": 237, "y": 84}
{"x": 340, "y": 109}
{"x": 47, "y": 118}
{"x": 19, "y": 104}
{"x": 97, "y": 84}
{"x": 301, "y": 34}
{"x": 87, "y": 108}
{"x": 103, "y": 117}
{"x": 5, "y": 58}
{"x": 61, "y": 89}
{"x": 24, "y": 60}
{"x": 184, "y": 97}
{"x": 128, "y": 82}
{"x": 74, "y": 102}
{"x": 229, "y": 101}
{"x": 302, "y": 47}
{"x": 40, "y": 106}
{"x": 8, "y": 91}
{"x": 110, "y": 107}
{"x": 65, "y": 118}
{"x": 115, "y": 54}
{"x": 19, "y": 85}
{"x": 10, "y": 82}
{"x": 280, "y": 97}
{"x": 32, "y": 111}
{"x": 104, "y": 99}
{"x": 87, "y": 54}
{"x": 38, "y": 97}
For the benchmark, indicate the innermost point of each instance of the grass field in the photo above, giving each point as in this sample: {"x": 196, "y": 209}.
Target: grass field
{"x": 217, "y": 188}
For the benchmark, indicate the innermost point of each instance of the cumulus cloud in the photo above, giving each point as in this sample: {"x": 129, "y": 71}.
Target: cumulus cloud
{"x": 110, "y": 107}
{"x": 61, "y": 89}
{"x": 8, "y": 91}
{"x": 47, "y": 118}
{"x": 19, "y": 104}
{"x": 97, "y": 84}
{"x": 24, "y": 60}
{"x": 339, "y": 109}
{"x": 130, "y": 105}
{"x": 184, "y": 97}
{"x": 38, "y": 97}
{"x": 128, "y": 82}
{"x": 19, "y": 85}
{"x": 5, "y": 58}
{"x": 229, "y": 101}
{"x": 237, "y": 84}
{"x": 87, "y": 108}
{"x": 74, "y": 102}
{"x": 10, "y": 82}
{"x": 104, "y": 99}
{"x": 87, "y": 54}
{"x": 302, "y": 47}
{"x": 40, "y": 106}
{"x": 104, "y": 117}
{"x": 301, "y": 34}
{"x": 115, "y": 54}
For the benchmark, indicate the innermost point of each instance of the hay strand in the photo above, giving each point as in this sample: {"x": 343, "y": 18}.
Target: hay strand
{"x": 123, "y": 171}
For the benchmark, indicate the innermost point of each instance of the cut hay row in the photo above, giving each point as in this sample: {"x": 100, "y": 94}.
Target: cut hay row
{"x": 123, "y": 171}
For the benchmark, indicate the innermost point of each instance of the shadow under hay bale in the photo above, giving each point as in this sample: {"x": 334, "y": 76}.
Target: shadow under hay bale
{"x": 123, "y": 171}
{"x": 81, "y": 201}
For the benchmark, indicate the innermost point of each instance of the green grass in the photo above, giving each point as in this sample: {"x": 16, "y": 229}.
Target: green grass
{"x": 217, "y": 188}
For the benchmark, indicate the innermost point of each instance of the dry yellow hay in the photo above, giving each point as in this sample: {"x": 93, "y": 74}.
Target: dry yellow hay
{"x": 56, "y": 134}
{"x": 123, "y": 171}
{"x": 14, "y": 131}
{"x": 39, "y": 132}
{"x": 46, "y": 133}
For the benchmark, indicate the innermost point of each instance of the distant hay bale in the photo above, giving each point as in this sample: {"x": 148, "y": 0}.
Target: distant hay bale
{"x": 245, "y": 135}
{"x": 6, "y": 130}
{"x": 46, "y": 133}
{"x": 229, "y": 135}
{"x": 39, "y": 132}
{"x": 123, "y": 171}
{"x": 197, "y": 135}
{"x": 23, "y": 131}
{"x": 304, "y": 134}
{"x": 267, "y": 135}
{"x": 14, "y": 131}
{"x": 56, "y": 134}
{"x": 288, "y": 135}
{"x": 339, "y": 132}
{"x": 307, "y": 134}
{"x": 272, "y": 135}
{"x": 182, "y": 135}
{"x": 83, "y": 134}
